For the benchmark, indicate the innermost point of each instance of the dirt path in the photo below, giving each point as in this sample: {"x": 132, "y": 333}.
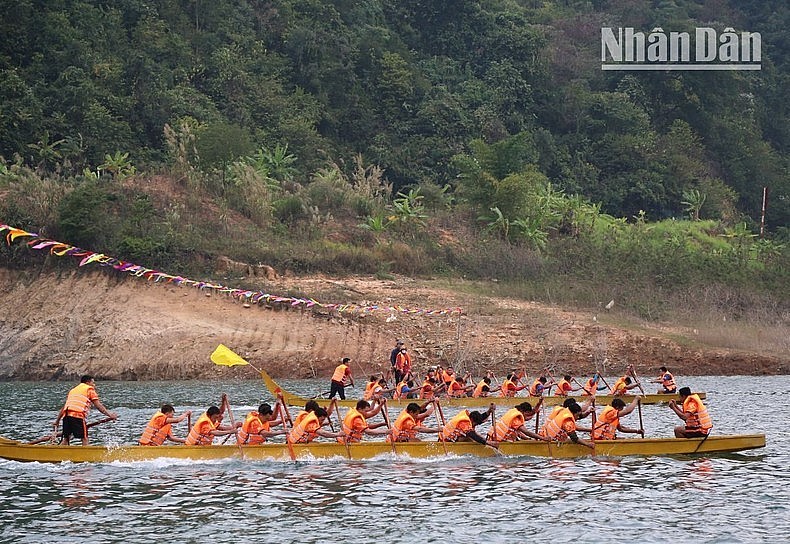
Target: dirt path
{"x": 58, "y": 325}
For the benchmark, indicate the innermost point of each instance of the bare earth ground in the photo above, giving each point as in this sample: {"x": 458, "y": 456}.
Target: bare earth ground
{"x": 59, "y": 325}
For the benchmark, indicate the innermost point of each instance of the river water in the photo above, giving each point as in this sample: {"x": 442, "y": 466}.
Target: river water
{"x": 723, "y": 498}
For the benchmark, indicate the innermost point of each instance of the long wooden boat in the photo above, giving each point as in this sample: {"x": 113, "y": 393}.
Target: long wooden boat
{"x": 19, "y": 451}
{"x": 292, "y": 399}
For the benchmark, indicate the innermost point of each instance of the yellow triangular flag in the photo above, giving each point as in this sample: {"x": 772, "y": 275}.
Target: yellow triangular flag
{"x": 224, "y": 356}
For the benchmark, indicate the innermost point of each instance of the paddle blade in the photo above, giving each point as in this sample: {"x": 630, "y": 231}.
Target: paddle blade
{"x": 224, "y": 356}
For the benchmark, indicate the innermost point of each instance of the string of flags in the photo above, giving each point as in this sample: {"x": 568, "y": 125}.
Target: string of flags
{"x": 86, "y": 257}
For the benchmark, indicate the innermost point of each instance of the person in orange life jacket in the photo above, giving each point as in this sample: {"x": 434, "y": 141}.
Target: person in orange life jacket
{"x": 376, "y": 390}
{"x": 694, "y": 413}
{"x": 355, "y": 423}
{"x": 458, "y": 388}
{"x": 309, "y": 407}
{"x": 591, "y": 386}
{"x": 512, "y": 425}
{"x": 608, "y": 421}
{"x": 509, "y": 386}
{"x": 667, "y": 381}
{"x": 562, "y": 426}
{"x": 208, "y": 426}
{"x": 75, "y": 411}
{"x": 622, "y": 386}
{"x": 483, "y": 388}
{"x": 257, "y": 426}
{"x": 564, "y": 387}
{"x": 461, "y": 427}
{"x": 403, "y": 365}
{"x": 158, "y": 428}
{"x": 394, "y": 359}
{"x": 408, "y": 424}
{"x": 309, "y": 428}
{"x": 539, "y": 386}
{"x": 447, "y": 376}
{"x": 341, "y": 379}
{"x": 428, "y": 389}
{"x": 406, "y": 390}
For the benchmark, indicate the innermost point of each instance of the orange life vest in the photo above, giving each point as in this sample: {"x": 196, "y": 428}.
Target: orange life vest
{"x": 305, "y": 431}
{"x": 506, "y": 427}
{"x": 368, "y": 394}
{"x": 354, "y": 424}
{"x": 427, "y": 390}
{"x": 563, "y": 388}
{"x": 590, "y": 388}
{"x": 455, "y": 389}
{"x": 448, "y": 377}
{"x": 404, "y": 428}
{"x": 536, "y": 389}
{"x": 560, "y": 426}
{"x": 403, "y": 362}
{"x": 156, "y": 431}
{"x": 398, "y": 393}
{"x": 80, "y": 400}
{"x": 250, "y": 432}
{"x": 340, "y": 373}
{"x": 619, "y": 387}
{"x": 299, "y": 417}
{"x": 697, "y": 417}
{"x": 606, "y": 424}
{"x": 200, "y": 433}
{"x": 508, "y": 388}
{"x": 668, "y": 382}
{"x": 479, "y": 389}
{"x": 458, "y": 426}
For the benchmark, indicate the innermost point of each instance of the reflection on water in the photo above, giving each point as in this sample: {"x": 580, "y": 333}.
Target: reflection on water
{"x": 732, "y": 498}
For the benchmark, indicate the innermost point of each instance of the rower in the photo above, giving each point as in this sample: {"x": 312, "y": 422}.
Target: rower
{"x": 667, "y": 381}
{"x": 309, "y": 428}
{"x": 591, "y": 386}
{"x": 510, "y": 386}
{"x": 355, "y": 423}
{"x": 608, "y": 422}
{"x": 622, "y": 386}
{"x": 209, "y": 425}
{"x": 694, "y": 413}
{"x": 511, "y": 426}
{"x": 461, "y": 427}
{"x": 562, "y": 427}
{"x": 257, "y": 426}
{"x": 408, "y": 424}
{"x": 564, "y": 387}
{"x": 160, "y": 424}
{"x": 538, "y": 386}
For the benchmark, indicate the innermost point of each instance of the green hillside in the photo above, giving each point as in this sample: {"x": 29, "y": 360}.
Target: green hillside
{"x": 475, "y": 138}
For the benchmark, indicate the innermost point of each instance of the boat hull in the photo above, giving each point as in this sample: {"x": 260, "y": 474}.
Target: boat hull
{"x": 468, "y": 402}
{"x": 18, "y": 451}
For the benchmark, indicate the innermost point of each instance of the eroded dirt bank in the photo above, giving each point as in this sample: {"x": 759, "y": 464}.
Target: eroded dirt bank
{"x": 59, "y": 325}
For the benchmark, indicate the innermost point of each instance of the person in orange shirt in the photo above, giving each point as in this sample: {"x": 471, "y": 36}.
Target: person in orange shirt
{"x": 341, "y": 378}
{"x": 561, "y": 426}
{"x": 257, "y": 426}
{"x": 355, "y": 423}
{"x": 75, "y": 411}
{"x": 208, "y": 426}
{"x": 461, "y": 427}
{"x": 309, "y": 428}
{"x": 622, "y": 386}
{"x": 667, "y": 381}
{"x": 483, "y": 388}
{"x": 458, "y": 388}
{"x": 160, "y": 425}
{"x": 511, "y": 426}
{"x": 564, "y": 387}
{"x": 510, "y": 386}
{"x": 608, "y": 422}
{"x": 408, "y": 424}
{"x": 539, "y": 386}
{"x": 694, "y": 413}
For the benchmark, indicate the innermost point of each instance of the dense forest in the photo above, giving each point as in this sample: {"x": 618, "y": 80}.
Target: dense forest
{"x": 399, "y": 121}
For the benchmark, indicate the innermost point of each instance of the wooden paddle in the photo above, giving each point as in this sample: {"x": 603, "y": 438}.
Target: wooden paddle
{"x": 286, "y": 418}
{"x": 52, "y": 437}
{"x": 340, "y": 424}
{"x": 226, "y": 404}
{"x": 440, "y": 420}
{"x": 633, "y": 373}
{"x": 639, "y": 410}
{"x": 385, "y": 413}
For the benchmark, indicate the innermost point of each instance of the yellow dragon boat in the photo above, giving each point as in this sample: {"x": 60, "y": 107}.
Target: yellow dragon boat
{"x": 47, "y": 453}
{"x": 293, "y": 399}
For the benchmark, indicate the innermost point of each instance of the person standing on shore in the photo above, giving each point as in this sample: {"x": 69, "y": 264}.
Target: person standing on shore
{"x": 75, "y": 412}
{"x": 394, "y": 359}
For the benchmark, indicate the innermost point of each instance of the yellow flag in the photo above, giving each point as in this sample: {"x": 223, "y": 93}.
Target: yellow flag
{"x": 224, "y": 356}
